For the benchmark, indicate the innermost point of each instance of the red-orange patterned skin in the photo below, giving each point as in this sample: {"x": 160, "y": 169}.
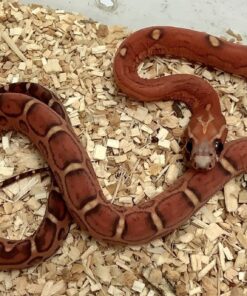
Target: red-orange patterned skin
{"x": 36, "y": 112}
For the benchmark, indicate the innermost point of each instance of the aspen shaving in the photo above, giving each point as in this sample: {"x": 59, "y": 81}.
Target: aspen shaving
{"x": 136, "y": 151}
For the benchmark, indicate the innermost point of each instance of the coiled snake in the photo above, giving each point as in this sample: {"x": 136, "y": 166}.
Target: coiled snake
{"x": 37, "y": 113}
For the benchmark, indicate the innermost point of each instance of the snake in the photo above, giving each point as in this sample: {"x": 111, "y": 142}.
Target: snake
{"x": 76, "y": 194}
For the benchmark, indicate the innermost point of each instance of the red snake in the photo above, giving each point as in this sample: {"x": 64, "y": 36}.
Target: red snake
{"x": 36, "y": 112}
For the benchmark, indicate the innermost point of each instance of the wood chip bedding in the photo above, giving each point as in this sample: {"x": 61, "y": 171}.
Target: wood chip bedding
{"x": 136, "y": 152}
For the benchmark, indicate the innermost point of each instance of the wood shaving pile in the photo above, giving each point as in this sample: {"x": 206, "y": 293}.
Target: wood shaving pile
{"x": 135, "y": 151}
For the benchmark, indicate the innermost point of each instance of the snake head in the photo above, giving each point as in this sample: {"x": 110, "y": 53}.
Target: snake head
{"x": 206, "y": 138}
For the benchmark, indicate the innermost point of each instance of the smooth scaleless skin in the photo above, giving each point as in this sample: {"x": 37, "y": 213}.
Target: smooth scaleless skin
{"x": 36, "y": 112}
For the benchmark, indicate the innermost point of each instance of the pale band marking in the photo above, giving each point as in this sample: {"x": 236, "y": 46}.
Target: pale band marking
{"x": 53, "y": 130}
{"x": 120, "y": 227}
{"x": 52, "y": 218}
{"x": 227, "y": 166}
{"x": 33, "y": 246}
{"x": 214, "y": 41}
{"x": 190, "y": 134}
{"x": 123, "y": 51}
{"x": 50, "y": 103}
{"x": 156, "y": 34}
{"x": 6, "y": 88}
{"x": 28, "y": 86}
{"x": 73, "y": 167}
{"x": 222, "y": 129}
{"x": 205, "y": 123}
{"x": 9, "y": 247}
{"x": 157, "y": 221}
{"x": 192, "y": 197}
{"x": 56, "y": 189}
{"x": 89, "y": 206}
{"x": 28, "y": 105}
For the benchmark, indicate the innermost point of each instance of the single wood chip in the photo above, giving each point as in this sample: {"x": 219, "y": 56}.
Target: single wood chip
{"x": 13, "y": 46}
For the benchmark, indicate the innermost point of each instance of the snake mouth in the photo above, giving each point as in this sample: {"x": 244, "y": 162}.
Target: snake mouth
{"x": 203, "y": 162}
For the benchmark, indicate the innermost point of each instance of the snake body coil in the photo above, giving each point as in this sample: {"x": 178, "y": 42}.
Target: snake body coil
{"x": 36, "y": 112}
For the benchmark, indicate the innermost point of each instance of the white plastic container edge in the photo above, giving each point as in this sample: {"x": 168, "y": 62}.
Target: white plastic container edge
{"x": 212, "y": 16}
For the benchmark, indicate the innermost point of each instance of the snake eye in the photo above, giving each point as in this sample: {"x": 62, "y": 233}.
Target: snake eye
{"x": 218, "y": 145}
{"x": 189, "y": 145}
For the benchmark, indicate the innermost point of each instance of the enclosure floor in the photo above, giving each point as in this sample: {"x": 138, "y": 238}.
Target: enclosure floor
{"x": 136, "y": 152}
